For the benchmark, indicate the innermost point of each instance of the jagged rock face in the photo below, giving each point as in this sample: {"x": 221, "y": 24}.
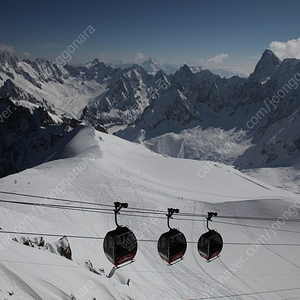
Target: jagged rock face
{"x": 95, "y": 71}
{"x": 174, "y": 107}
{"x": 276, "y": 145}
{"x": 126, "y": 97}
{"x": 8, "y": 60}
{"x": 27, "y": 136}
{"x": 47, "y": 71}
{"x": 184, "y": 75}
{"x": 92, "y": 120}
{"x": 266, "y": 67}
{"x": 208, "y": 92}
{"x": 62, "y": 247}
{"x": 12, "y": 90}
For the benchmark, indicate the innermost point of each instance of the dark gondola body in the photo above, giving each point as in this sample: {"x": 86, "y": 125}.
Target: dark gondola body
{"x": 120, "y": 245}
{"x": 172, "y": 245}
{"x": 210, "y": 244}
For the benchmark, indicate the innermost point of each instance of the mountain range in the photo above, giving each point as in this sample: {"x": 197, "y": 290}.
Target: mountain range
{"x": 152, "y": 66}
{"x": 248, "y": 122}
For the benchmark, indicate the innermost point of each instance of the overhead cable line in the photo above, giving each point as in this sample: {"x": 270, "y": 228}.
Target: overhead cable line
{"x": 74, "y": 201}
{"x": 139, "y": 240}
{"x": 133, "y": 210}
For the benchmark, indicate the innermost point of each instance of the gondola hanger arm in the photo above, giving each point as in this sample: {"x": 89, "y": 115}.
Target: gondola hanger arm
{"x": 170, "y": 213}
{"x": 118, "y": 207}
{"x": 209, "y": 216}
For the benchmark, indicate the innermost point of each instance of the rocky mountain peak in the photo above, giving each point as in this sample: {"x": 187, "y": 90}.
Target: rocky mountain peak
{"x": 184, "y": 74}
{"x": 6, "y": 57}
{"x": 185, "y": 69}
{"x": 265, "y": 67}
{"x": 151, "y": 65}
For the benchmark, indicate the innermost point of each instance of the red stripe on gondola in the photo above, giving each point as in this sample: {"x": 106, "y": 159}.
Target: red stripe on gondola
{"x": 125, "y": 258}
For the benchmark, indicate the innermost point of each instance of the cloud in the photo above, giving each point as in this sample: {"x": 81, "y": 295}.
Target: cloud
{"x": 289, "y": 49}
{"x": 27, "y": 54}
{"x": 139, "y": 57}
{"x": 218, "y": 58}
{"x": 7, "y": 48}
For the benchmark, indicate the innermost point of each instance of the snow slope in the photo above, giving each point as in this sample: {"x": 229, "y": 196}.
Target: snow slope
{"x": 278, "y": 145}
{"x": 213, "y": 144}
{"x": 287, "y": 178}
{"x": 101, "y": 168}
{"x": 69, "y": 98}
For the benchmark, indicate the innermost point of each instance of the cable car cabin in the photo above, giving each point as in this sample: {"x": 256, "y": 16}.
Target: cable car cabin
{"x": 171, "y": 245}
{"x": 120, "y": 245}
{"x": 210, "y": 244}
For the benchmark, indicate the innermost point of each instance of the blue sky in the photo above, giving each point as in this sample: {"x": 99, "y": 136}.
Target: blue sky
{"x": 215, "y": 32}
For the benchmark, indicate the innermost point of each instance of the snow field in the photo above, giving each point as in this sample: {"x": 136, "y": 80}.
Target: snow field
{"x": 112, "y": 169}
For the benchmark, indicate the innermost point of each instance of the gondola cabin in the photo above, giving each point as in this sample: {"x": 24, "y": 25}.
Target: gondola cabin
{"x": 210, "y": 244}
{"x": 171, "y": 245}
{"x": 120, "y": 246}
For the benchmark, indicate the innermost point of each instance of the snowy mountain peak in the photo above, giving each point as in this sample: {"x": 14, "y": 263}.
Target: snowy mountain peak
{"x": 269, "y": 53}
{"x": 8, "y": 59}
{"x": 265, "y": 67}
{"x": 270, "y": 58}
{"x": 40, "y": 61}
{"x": 98, "y": 63}
{"x": 94, "y": 65}
{"x": 137, "y": 70}
{"x": 151, "y": 65}
{"x": 152, "y": 61}
{"x": 16, "y": 92}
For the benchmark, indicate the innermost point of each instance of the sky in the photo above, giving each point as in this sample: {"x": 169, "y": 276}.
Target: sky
{"x": 216, "y": 33}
